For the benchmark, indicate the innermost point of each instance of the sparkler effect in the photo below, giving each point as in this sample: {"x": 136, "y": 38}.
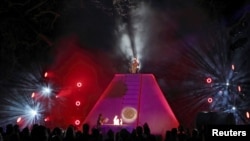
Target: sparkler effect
{"x": 213, "y": 58}
{"x": 29, "y": 99}
{"x": 46, "y": 91}
{"x": 22, "y": 111}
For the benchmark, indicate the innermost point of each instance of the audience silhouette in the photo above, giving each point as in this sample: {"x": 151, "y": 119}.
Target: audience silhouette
{"x": 71, "y": 133}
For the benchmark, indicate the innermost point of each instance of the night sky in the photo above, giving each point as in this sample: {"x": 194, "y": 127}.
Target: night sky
{"x": 181, "y": 43}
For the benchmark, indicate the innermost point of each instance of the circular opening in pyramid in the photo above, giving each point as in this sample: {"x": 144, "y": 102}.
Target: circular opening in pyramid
{"x": 129, "y": 114}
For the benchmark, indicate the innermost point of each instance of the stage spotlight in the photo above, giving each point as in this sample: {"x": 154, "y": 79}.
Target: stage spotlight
{"x": 33, "y": 112}
{"x": 46, "y": 91}
{"x": 247, "y": 115}
{"x": 45, "y": 75}
{"x": 233, "y": 67}
{"x": 33, "y": 95}
{"x": 239, "y": 89}
{"x": 233, "y": 108}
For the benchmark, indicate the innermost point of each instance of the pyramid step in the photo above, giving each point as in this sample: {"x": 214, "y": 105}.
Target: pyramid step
{"x": 135, "y": 95}
{"x": 130, "y": 99}
{"x": 133, "y": 86}
{"x": 131, "y": 95}
{"x": 130, "y": 103}
{"x": 132, "y": 83}
{"x": 132, "y": 91}
{"x": 135, "y": 92}
{"x": 132, "y": 79}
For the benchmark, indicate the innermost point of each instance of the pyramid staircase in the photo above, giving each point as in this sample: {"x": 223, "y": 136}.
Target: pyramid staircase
{"x": 132, "y": 95}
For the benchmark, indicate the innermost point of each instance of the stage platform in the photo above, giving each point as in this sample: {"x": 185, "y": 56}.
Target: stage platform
{"x": 115, "y": 128}
{"x": 136, "y": 99}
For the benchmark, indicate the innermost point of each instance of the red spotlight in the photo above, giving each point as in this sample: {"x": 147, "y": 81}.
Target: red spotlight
{"x": 33, "y": 94}
{"x": 239, "y": 88}
{"x": 209, "y": 80}
{"x": 247, "y": 115}
{"x": 233, "y": 67}
{"x": 210, "y": 100}
{"x": 45, "y": 74}
{"x": 19, "y": 119}
{"x": 78, "y": 103}
{"x": 77, "y": 122}
{"x": 79, "y": 84}
{"x": 46, "y": 119}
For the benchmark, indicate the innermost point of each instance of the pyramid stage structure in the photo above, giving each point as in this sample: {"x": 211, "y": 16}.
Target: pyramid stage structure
{"x": 135, "y": 99}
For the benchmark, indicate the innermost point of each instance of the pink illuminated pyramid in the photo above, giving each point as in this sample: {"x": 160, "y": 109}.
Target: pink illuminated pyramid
{"x": 136, "y": 99}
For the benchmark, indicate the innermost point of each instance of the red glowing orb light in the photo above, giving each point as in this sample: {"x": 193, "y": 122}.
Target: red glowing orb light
{"x": 78, "y": 103}
{"x": 77, "y": 122}
{"x": 79, "y": 84}
{"x": 210, "y": 100}
{"x": 209, "y": 80}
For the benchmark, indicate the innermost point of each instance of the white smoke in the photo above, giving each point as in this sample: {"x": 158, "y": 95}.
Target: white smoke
{"x": 139, "y": 28}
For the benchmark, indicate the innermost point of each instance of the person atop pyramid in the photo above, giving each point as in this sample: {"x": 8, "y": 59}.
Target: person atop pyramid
{"x": 134, "y": 68}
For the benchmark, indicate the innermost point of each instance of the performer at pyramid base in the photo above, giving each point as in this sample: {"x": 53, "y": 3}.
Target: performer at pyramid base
{"x": 134, "y": 67}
